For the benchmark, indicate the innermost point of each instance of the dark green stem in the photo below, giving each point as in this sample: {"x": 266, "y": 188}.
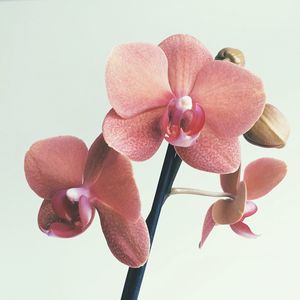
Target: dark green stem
{"x": 167, "y": 176}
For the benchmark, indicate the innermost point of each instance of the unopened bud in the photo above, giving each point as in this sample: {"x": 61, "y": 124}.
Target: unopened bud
{"x": 271, "y": 130}
{"x": 235, "y": 56}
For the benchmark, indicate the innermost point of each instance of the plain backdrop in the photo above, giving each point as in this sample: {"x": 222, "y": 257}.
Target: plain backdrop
{"x": 52, "y": 60}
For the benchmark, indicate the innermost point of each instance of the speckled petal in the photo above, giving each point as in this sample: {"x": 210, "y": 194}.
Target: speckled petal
{"x": 186, "y": 56}
{"x": 137, "y": 79}
{"x": 54, "y": 164}
{"x": 138, "y": 137}
{"x": 232, "y": 98}
{"x": 109, "y": 176}
{"x": 128, "y": 241}
{"x": 212, "y": 153}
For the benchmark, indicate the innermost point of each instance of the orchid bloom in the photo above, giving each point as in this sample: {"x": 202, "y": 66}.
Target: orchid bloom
{"x": 260, "y": 177}
{"x": 75, "y": 181}
{"x": 176, "y": 91}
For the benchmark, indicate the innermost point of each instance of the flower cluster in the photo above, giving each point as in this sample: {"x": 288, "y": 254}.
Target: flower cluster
{"x": 176, "y": 92}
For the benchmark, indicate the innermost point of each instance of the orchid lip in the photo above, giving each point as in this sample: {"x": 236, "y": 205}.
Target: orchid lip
{"x": 182, "y": 122}
{"x": 73, "y": 210}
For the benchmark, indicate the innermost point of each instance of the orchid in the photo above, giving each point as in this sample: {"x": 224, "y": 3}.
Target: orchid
{"x": 75, "y": 181}
{"x": 177, "y": 92}
{"x": 260, "y": 177}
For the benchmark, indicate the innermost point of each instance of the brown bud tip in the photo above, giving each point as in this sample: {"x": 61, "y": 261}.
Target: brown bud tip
{"x": 271, "y": 130}
{"x": 235, "y": 56}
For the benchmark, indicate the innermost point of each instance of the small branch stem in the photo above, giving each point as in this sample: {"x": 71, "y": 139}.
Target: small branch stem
{"x": 187, "y": 191}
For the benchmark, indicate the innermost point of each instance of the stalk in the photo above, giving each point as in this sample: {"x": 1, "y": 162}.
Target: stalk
{"x": 167, "y": 176}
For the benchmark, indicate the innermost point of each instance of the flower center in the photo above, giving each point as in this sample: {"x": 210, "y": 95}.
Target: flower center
{"x": 182, "y": 122}
{"x": 73, "y": 208}
{"x": 74, "y": 194}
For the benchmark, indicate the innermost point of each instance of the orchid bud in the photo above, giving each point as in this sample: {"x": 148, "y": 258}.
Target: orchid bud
{"x": 235, "y": 56}
{"x": 271, "y": 130}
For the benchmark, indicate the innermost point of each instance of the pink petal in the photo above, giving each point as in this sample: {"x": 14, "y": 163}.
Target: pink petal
{"x": 250, "y": 209}
{"x": 110, "y": 178}
{"x": 243, "y": 229}
{"x": 232, "y": 98}
{"x": 128, "y": 241}
{"x": 53, "y": 225}
{"x": 229, "y": 182}
{"x": 55, "y": 164}
{"x": 230, "y": 211}
{"x": 212, "y": 153}
{"x": 186, "y": 56}
{"x": 137, "y": 79}
{"x": 262, "y": 175}
{"x": 138, "y": 137}
{"x": 208, "y": 226}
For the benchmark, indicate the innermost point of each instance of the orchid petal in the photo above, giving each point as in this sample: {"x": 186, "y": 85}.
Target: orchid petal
{"x": 229, "y": 182}
{"x": 250, "y": 209}
{"x": 138, "y": 137}
{"x": 232, "y": 98}
{"x": 186, "y": 56}
{"x": 230, "y": 211}
{"x": 55, "y": 164}
{"x": 137, "y": 79}
{"x": 97, "y": 155}
{"x": 212, "y": 153}
{"x": 262, "y": 175}
{"x": 110, "y": 178}
{"x": 128, "y": 241}
{"x": 243, "y": 230}
{"x": 208, "y": 226}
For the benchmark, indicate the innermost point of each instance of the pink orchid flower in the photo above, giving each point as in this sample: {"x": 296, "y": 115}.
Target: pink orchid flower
{"x": 176, "y": 91}
{"x": 260, "y": 177}
{"x": 75, "y": 181}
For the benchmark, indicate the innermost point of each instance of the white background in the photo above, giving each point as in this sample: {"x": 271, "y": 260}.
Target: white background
{"x": 52, "y": 59}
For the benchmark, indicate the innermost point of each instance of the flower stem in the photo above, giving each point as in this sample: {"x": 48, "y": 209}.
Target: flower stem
{"x": 188, "y": 191}
{"x": 167, "y": 176}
